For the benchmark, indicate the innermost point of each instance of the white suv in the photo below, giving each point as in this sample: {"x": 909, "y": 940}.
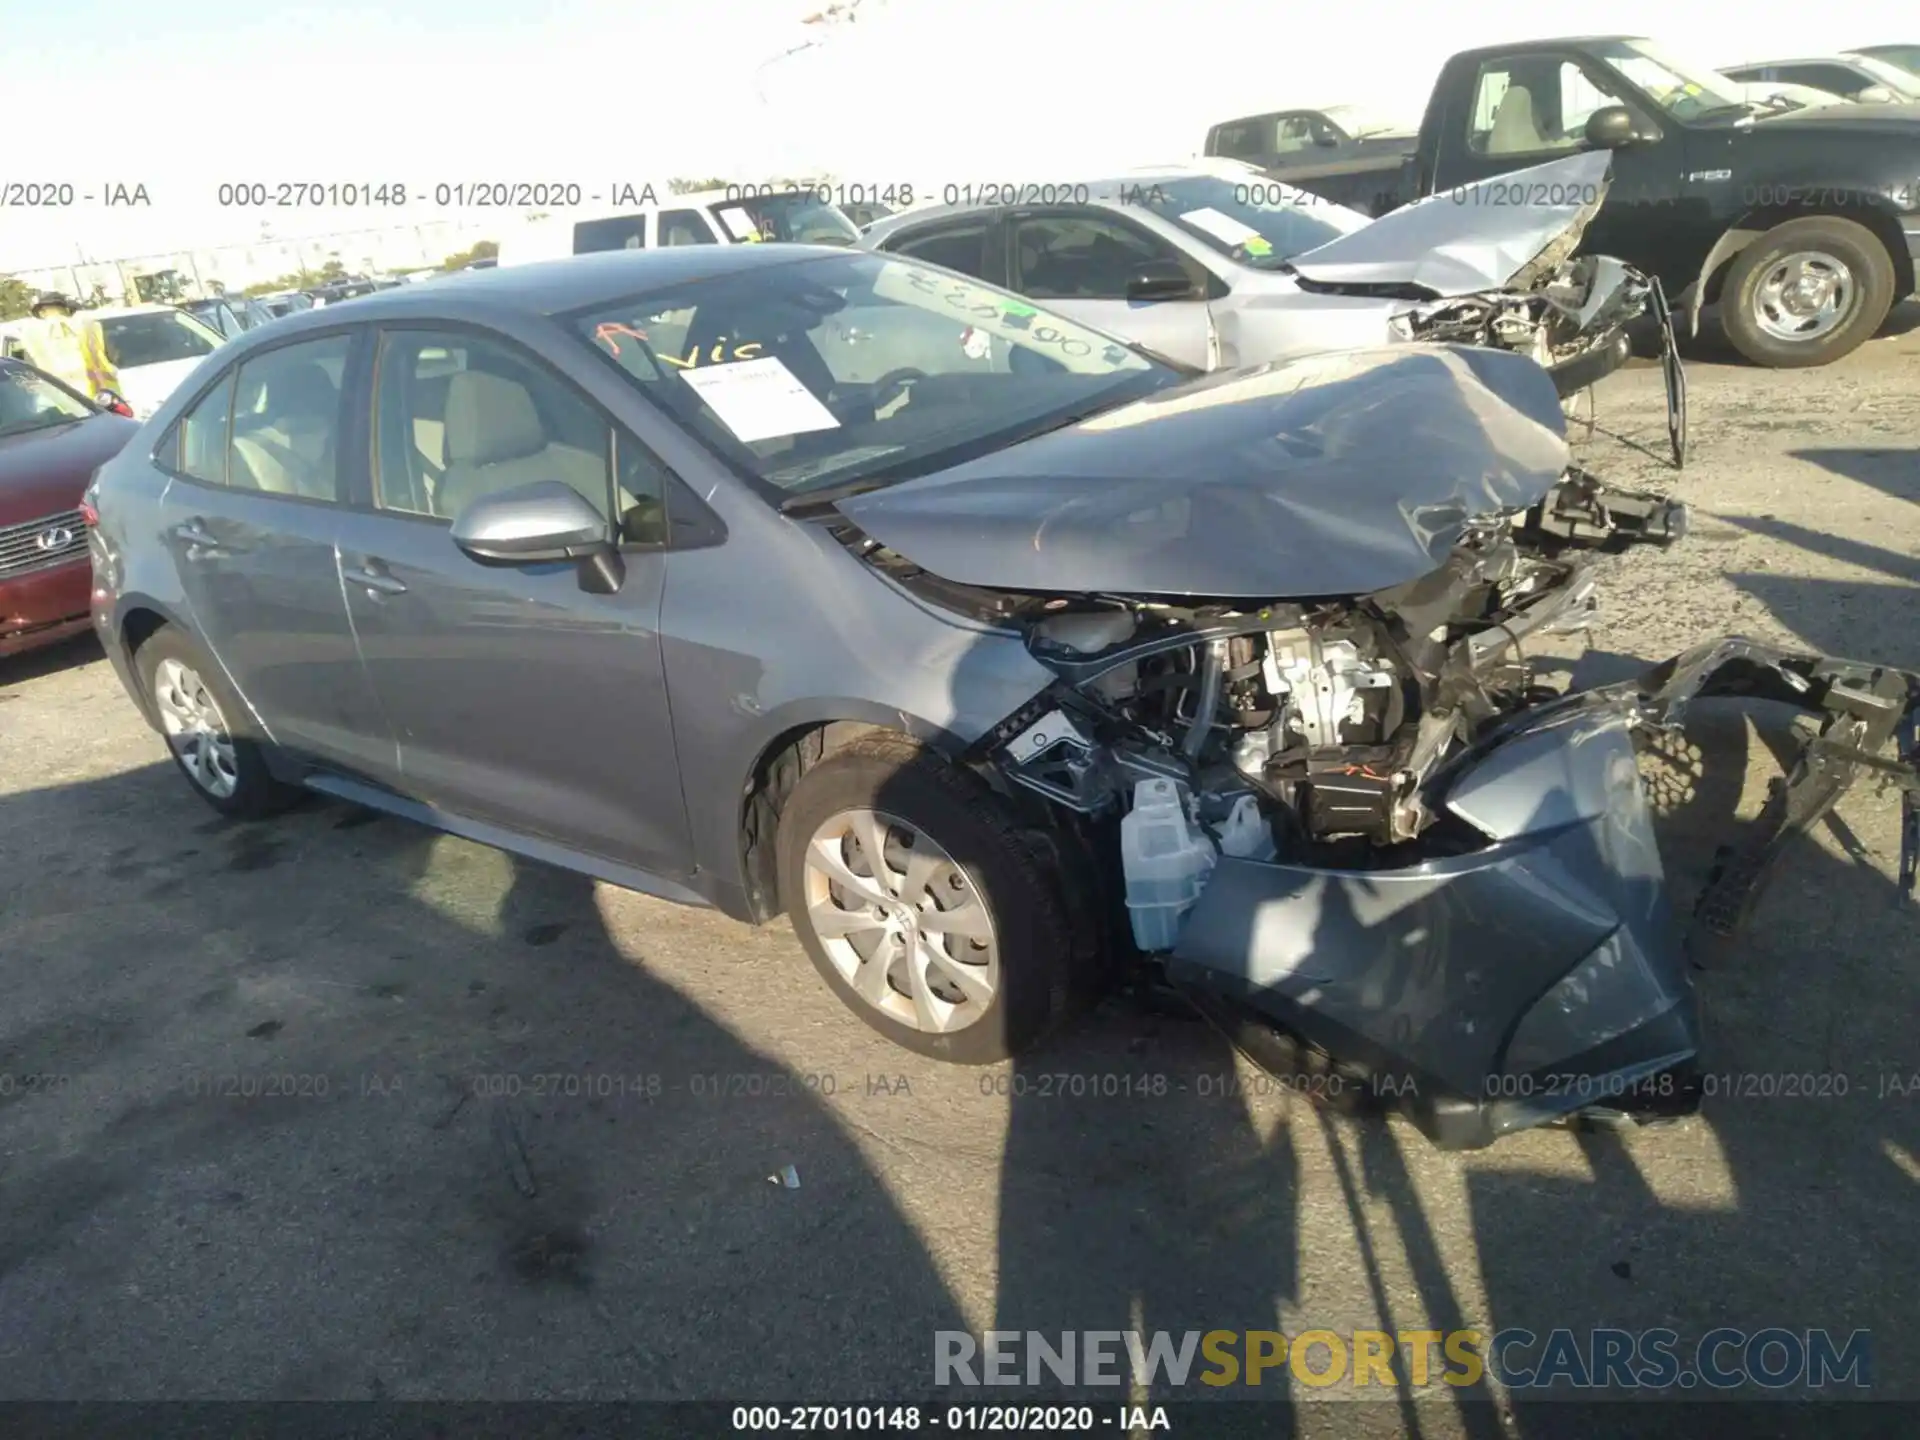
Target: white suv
{"x": 736, "y": 215}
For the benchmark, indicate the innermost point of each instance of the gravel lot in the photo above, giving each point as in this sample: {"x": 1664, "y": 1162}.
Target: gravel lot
{"x": 350, "y": 1226}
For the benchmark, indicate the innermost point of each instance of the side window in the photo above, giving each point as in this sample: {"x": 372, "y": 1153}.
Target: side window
{"x": 1293, "y": 134}
{"x": 286, "y": 420}
{"x": 1833, "y": 79}
{"x": 203, "y": 434}
{"x": 1082, "y": 255}
{"x": 1536, "y": 110}
{"x": 685, "y": 227}
{"x": 462, "y": 416}
{"x": 620, "y": 232}
{"x": 958, "y": 247}
{"x": 1241, "y": 139}
{"x": 1580, "y": 95}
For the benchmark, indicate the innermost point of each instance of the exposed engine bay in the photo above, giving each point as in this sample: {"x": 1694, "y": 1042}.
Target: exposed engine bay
{"x": 1574, "y": 310}
{"x": 1329, "y": 716}
{"x": 1361, "y": 816}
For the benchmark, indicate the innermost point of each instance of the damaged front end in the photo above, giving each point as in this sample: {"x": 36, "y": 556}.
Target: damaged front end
{"x": 1366, "y": 827}
{"x": 1496, "y": 264}
{"x": 1355, "y": 821}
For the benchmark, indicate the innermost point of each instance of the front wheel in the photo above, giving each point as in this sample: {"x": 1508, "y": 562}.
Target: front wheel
{"x": 923, "y": 907}
{"x": 1807, "y": 292}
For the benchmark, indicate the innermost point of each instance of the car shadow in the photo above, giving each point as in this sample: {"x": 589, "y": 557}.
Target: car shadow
{"x": 332, "y": 1107}
{"x": 68, "y": 654}
{"x": 1893, "y": 470}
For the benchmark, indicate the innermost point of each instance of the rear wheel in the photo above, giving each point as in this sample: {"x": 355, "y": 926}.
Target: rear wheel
{"x": 921, "y": 904}
{"x": 1807, "y": 292}
{"x": 203, "y": 722}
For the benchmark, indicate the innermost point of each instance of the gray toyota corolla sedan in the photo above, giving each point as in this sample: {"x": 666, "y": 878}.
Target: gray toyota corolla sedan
{"x": 995, "y": 652}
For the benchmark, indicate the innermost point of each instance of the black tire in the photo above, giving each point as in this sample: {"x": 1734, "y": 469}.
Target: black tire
{"x": 256, "y": 793}
{"x": 1855, "y": 246}
{"x": 1008, "y": 873}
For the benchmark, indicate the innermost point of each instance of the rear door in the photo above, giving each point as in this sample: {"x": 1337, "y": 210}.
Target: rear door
{"x": 517, "y": 698}
{"x": 250, "y": 519}
{"x": 1078, "y": 260}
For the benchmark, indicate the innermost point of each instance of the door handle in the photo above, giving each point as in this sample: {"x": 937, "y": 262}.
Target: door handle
{"x": 376, "y": 580}
{"x": 198, "y": 539}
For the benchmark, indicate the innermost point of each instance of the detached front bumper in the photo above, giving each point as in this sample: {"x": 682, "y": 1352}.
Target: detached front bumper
{"x": 1542, "y": 973}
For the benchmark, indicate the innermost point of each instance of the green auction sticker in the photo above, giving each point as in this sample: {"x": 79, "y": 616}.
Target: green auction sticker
{"x": 1014, "y": 307}
{"x": 1259, "y": 245}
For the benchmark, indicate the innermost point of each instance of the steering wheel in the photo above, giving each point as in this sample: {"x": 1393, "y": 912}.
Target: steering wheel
{"x": 897, "y": 379}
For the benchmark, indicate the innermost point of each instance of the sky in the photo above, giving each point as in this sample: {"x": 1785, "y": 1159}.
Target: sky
{"x": 182, "y": 97}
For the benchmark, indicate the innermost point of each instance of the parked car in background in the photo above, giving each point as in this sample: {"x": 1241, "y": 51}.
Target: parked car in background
{"x": 351, "y": 287}
{"x": 52, "y": 439}
{"x": 1859, "y": 78}
{"x": 286, "y": 302}
{"x": 231, "y": 315}
{"x": 1802, "y": 227}
{"x": 1367, "y": 146}
{"x": 1907, "y": 57}
{"x": 153, "y": 347}
{"x": 733, "y": 216}
{"x": 1779, "y": 98}
{"x": 865, "y": 213}
{"x": 1218, "y": 267}
{"x": 976, "y": 622}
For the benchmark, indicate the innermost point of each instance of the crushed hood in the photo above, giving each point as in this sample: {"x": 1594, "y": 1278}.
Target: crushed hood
{"x": 1483, "y": 236}
{"x": 1336, "y": 474}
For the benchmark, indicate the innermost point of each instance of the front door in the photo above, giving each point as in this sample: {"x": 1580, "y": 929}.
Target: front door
{"x": 1078, "y": 261}
{"x": 250, "y": 517}
{"x": 517, "y": 698}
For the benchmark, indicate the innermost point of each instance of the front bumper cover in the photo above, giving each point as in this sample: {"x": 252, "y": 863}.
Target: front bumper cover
{"x": 1543, "y": 973}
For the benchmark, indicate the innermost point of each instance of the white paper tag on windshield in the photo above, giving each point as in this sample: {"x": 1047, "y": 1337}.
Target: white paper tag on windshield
{"x": 759, "y": 399}
{"x": 1222, "y": 227}
{"x": 739, "y": 223}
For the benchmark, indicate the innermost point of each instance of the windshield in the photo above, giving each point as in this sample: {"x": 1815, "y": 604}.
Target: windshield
{"x": 1360, "y": 121}
{"x": 1907, "y": 57}
{"x": 1685, "y": 91}
{"x": 1261, "y": 223}
{"x": 794, "y": 219}
{"x": 860, "y": 369}
{"x": 155, "y": 338}
{"x": 30, "y": 401}
{"x": 1902, "y": 82}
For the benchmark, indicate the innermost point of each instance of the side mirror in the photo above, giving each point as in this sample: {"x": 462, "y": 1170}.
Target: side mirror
{"x": 113, "y": 402}
{"x": 1874, "y": 95}
{"x": 1325, "y": 137}
{"x": 544, "y": 523}
{"x": 1160, "y": 280}
{"x": 1611, "y": 127}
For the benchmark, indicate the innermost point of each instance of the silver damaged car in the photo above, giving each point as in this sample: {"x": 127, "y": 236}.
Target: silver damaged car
{"x": 1001, "y": 656}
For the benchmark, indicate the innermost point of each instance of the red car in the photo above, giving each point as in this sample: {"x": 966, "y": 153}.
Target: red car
{"x": 52, "y": 439}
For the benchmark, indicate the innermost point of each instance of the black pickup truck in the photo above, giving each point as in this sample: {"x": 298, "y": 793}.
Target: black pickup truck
{"x": 1803, "y": 228}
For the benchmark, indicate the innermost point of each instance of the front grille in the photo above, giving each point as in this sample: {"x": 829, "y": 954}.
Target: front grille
{"x": 24, "y": 547}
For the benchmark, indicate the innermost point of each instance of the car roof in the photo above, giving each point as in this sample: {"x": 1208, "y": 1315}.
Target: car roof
{"x": 549, "y": 287}
{"x": 1842, "y": 58}
{"x": 1104, "y": 193}
{"x": 111, "y": 311}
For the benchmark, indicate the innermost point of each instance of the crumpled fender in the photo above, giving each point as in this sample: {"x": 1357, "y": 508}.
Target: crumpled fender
{"x": 1542, "y": 973}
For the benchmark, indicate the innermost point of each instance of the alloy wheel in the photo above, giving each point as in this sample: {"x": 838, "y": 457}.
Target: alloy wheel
{"x": 195, "y": 728}
{"x": 1803, "y": 296}
{"x": 901, "y": 921}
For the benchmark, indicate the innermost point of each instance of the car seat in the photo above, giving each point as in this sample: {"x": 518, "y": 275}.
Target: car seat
{"x": 495, "y": 440}
{"x": 1516, "y": 128}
